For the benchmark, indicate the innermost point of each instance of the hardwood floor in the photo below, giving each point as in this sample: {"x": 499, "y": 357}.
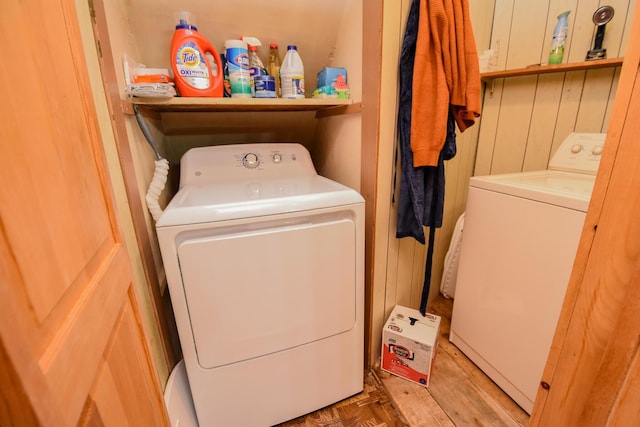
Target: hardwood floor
{"x": 371, "y": 408}
{"x": 459, "y": 395}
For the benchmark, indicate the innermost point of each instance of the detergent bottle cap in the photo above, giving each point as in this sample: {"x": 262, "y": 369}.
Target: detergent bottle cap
{"x": 185, "y": 20}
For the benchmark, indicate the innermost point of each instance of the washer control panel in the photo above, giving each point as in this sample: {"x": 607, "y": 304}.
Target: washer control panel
{"x": 224, "y": 163}
{"x": 253, "y": 160}
{"x": 579, "y": 152}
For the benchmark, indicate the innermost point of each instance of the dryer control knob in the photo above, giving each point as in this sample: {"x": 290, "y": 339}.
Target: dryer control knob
{"x": 277, "y": 158}
{"x": 597, "y": 150}
{"x": 575, "y": 149}
{"x": 251, "y": 161}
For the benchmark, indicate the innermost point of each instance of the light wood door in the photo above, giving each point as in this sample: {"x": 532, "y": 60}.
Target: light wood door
{"x": 72, "y": 348}
{"x": 592, "y": 376}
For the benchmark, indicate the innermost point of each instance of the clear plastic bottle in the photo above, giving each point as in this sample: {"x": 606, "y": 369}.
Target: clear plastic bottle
{"x": 256, "y": 67}
{"x": 292, "y": 74}
{"x": 274, "y": 66}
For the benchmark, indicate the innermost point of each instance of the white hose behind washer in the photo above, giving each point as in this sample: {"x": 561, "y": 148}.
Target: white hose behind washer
{"x": 160, "y": 173}
{"x": 156, "y": 186}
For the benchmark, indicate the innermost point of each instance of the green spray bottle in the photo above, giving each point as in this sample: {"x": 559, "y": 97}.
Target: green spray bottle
{"x": 559, "y": 39}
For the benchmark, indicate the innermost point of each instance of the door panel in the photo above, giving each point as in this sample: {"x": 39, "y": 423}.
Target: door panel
{"x": 70, "y": 339}
{"x": 125, "y": 376}
{"x": 40, "y": 85}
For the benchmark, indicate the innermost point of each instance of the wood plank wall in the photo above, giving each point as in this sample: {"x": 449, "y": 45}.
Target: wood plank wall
{"x": 399, "y": 271}
{"x": 524, "y": 119}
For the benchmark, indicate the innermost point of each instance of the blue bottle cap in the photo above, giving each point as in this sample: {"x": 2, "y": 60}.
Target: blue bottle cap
{"x": 184, "y": 24}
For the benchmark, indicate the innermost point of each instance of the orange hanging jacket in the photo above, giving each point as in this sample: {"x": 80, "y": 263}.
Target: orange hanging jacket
{"x": 446, "y": 75}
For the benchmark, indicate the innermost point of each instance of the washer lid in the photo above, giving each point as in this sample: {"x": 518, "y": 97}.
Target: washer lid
{"x": 565, "y": 189}
{"x": 252, "y": 198}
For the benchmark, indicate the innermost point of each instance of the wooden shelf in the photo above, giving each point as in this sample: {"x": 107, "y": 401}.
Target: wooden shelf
{"x": 545, "y": 69}
{"x": 192, "y": 104}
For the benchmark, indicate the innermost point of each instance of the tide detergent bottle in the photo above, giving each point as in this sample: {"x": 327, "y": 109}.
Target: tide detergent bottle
{"x": 192, "y": 72}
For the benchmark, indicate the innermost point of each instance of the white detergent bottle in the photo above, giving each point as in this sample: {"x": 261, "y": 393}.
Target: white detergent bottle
{"x": 292, "y": 74}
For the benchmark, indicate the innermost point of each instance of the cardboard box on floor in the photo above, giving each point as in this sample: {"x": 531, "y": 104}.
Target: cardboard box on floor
{"x": 409, "y": 344}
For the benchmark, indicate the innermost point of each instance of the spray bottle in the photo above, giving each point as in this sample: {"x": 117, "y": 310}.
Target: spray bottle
{"x": 256, "y": 67}
{"x": 559, "y": 39}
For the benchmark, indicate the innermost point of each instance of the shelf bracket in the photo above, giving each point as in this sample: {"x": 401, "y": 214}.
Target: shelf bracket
{"x": 127, "y": 107}
{"x": 339, "y": 110}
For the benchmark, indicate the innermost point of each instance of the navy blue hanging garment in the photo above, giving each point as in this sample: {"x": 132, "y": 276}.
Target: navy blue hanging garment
{"x": 421, "y": 198}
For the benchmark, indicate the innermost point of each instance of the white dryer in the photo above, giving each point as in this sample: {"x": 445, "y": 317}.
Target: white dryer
{"x": 265, "y": 265}
{"x": 519, "y": 243}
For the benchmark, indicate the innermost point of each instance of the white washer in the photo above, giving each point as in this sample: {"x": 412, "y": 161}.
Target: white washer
{"x": 519, "y": 243}
{"x": 265, "y": 265}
